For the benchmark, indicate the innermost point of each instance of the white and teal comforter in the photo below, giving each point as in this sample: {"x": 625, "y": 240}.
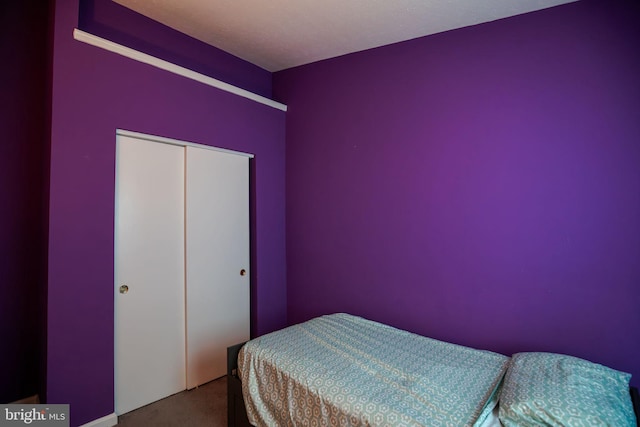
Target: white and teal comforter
{"x": 343, "y": 370}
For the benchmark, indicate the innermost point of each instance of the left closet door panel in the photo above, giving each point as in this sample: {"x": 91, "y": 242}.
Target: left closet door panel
{"x": 149, "y": 272}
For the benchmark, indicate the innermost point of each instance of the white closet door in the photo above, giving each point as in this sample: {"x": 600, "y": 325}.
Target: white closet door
{"x": 149, "y": 260}
{"x": 217, "y": 227}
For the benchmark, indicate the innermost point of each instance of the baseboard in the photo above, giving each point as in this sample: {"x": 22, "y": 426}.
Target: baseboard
{"x": 106, "y": 421}
{"x": 31, "y": 400}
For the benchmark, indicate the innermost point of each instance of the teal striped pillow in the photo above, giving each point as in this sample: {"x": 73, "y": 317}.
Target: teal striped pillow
{"x": 542, "y": 389}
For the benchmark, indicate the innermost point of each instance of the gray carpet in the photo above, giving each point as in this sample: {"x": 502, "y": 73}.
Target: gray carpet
{"x": 202, "y": 406}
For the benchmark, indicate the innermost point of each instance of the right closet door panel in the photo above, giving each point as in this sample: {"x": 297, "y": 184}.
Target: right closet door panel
{"x": 217, "y": 260}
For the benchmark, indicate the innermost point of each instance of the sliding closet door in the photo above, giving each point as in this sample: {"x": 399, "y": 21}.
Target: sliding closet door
{"x": 217, "y": 227}
{"x": 149, "y": 272}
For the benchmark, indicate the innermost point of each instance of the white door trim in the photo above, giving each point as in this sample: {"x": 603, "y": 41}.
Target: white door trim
{"x": 178, "y": 142}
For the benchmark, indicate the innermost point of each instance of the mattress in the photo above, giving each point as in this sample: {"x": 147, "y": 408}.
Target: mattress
{"x": 343, "y": 370}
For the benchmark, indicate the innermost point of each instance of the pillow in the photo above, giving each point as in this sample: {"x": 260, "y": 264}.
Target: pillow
{"x": 559, "y": 390}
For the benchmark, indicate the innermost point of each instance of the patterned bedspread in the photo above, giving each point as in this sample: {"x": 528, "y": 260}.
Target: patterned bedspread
{"x": 343, "y": 370}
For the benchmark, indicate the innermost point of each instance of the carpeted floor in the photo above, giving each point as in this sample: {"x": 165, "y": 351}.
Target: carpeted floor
{"x": 202, "y": 406}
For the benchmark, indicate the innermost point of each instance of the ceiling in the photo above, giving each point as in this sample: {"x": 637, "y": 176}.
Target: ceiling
{"x": 280, "y": 34}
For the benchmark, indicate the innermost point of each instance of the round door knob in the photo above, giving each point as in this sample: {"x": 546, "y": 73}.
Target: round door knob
{"x": 243, "y": 272}
{"x": 124, "y": 289}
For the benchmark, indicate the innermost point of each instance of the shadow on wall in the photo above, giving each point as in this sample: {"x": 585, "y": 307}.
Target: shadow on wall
{"x": 24, "y": 28}
{"x": 114, "y": 22}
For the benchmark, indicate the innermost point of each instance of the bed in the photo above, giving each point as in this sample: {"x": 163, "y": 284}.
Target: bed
{"x": 344, "y": 370}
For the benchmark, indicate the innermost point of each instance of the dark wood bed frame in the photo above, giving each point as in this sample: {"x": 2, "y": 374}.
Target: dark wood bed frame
{"x": 237, "y": 414}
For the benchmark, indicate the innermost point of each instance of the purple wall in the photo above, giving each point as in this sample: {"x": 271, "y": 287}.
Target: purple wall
{"x": 480, "y": 186}
{"x": 119, "y": 24}
{"x": 94, "y": 93}
{"x": 22, "y": 164}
